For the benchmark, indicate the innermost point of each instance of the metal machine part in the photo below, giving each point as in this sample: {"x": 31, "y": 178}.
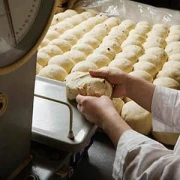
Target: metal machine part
{"x": 23, "y": 26}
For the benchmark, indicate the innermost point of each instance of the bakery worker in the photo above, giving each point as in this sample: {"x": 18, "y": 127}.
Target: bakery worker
{"x": 137, "y": 156}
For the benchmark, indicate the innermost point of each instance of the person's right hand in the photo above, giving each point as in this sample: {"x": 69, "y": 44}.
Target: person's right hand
{"x": 116, "y": 77}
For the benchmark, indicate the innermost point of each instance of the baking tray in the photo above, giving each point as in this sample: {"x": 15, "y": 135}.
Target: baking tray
{"x": 50, "y": 124}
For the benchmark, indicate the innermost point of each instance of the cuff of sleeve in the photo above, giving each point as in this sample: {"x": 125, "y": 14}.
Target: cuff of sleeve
{"x": 128, "y": 141}
{"x": 162, "y": 111}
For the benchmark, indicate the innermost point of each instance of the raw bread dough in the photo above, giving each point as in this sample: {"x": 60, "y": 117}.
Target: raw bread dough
{"x": 70, "y": 38}
{"x": 123, "y": 64}
{"x": 63, "y": 61}
{"x": 52, "y": 34}
{"x": 167, "y": 82}
{"x": 84, "y": 66}
{"x": 111, "y": 22}
{"x": 44, "y": 42}
{"x": 61, "y": 27}
{"x": 118, "y": 104}
{"x": 109, "y": 52}
{"x": 174, "y": 57}
{"x": 173, "y": 38}
{"x": 76, "y": 56}
{"x": 127, "y": 24}
{"x": 135, "y": 49}
{"x": 111, "y": 44}
{"x": 142, "y": 74}
{"x": 149, "y": 44}
{"x": 85, "y": 48}
{"x": 146, "y": 66}
{"x": 130, "y": 56}
{"x": 172, "y": 64}
{"x": 137, "y": 117}
{"x": 42, "y": 58}
{"x": 129, "y": 42}
{"x": 62, "y": 44}
{"x": 173, "y": 48}
{"x": 82, "y": 83}
{"x": 152, "y": 59}
{"x": 38, "y": 68}
{"x": 53, "y": 72}
{"x": 99, "y": 59}
{"x": 51, "y": 50}
{"x": 94, "y": 43}
{"x": 87, "y": 14}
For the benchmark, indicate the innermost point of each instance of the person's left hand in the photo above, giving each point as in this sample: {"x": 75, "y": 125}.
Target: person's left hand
{"x": 95, "y": 109}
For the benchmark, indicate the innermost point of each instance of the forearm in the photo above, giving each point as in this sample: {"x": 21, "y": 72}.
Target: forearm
{"x": 115, "y": 127}
{"x": 140, "y": 91}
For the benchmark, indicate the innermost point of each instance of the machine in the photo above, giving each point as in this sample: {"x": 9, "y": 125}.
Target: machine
{"x": 35, "y": 115}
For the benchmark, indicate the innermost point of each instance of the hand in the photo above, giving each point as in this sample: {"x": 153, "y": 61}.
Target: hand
{"x": 116, "y": 77}
{"x": 96, "y": 109}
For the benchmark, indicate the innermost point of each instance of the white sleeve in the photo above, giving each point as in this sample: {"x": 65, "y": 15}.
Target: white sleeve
{"x": 166, "y": 110}
{"x": 139, "y": 157}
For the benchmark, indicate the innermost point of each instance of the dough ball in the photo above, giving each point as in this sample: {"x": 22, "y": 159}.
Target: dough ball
{"x": 142, "y": 74}
{"x": 42, "y": 58}
{"x": 85, "y": 48}
{"x": 127, "y": 24}
{"x": 62, "y": 61}
{"x": 76, "y": 19}
{"x": 173, "y": 48}
{"x": 136, "y": 37}
{"x": 61, "y": 27}
{"x": 99, "y": 59}
{"x": 157, "y": 33}
{"x": 51, "y": 50}
{"x": 130, "y": 56}
{"x": 173, "y": 38}
{"x": 166, "y": 137}
{"x": 169, "y": 72}
{"x": 52, "y": 34}
{"x": 129, "y": 42}
{"x": 70, "y": 38}
{"x": 101, "y": 17}
{"x": 111, "y": 22}
{"x": 53, "y": 72}
{"x": 134, "y": 49}
{"x": 111, "y": 44}
{"x": 123, "y": 64}
{"x": 84, "y": 66}
{"x": 87, "y": 14}
{"x": 109, "y": 52}
{"x": 118, "y": 104}
{"x": 152, "y": 59}
{"x": 174, "y": 57}
{"x": 82, "y": 83}
{"x": 44, "y": 42}
{"x": 172, "y": 64}
{"x": 160, "y": 26}
{"x": 70, "y": 12}
{"x": 159, "y": 52}
{"x": 174, "y": 28}
{"x": 139, "y": 31}
{"x": 99, "y": 35}
{"x": 149, "y": 44}
{"x": 143, "y": 23}
{"x": 62, "y": 44}
{"x": 146, "y": 66}
{"x": 167, "y": 82}
{"x": 94, "y": 43}
{"x": 38, "y": 68}
{"x": 137, "y": 117}
{"x": 76, "y": 56}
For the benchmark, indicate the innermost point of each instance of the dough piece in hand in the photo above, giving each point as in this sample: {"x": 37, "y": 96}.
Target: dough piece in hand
{"x": 167, "y": 82}
{"x": 166, "y": 137}
{"x": 173, "y": 48}
{"x": 51, "y": 50}
{"x": 76, "y": 56}
{"x": 84, "y": 66}
{"x": 62, "y": 61}
{"x": 83, "y": 83}
{"x": 152, "y": 59}
{"x": 62, "y": 44}
{"x": 135, "y": 49}
{"x": 159, "y": 52}
{"x": 137, "y": 117}
{"x": 169, "y": 72}
{"x": 146, "y": 66}
{"x": 174, "y": 57}
{"x": 99, "y": 59}
{"x": 42, "y": 58}
{"x": 38, "y": 68}
{"x": 142, "y": 74}
{"x": 118, "y": 104}
{"x": 123, "y": 64}
{"x": 53, "y": 72}
{"x": 130, "y": 56}
{"x": 85, "y": 48}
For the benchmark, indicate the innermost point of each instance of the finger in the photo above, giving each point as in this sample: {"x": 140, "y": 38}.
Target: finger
{"x": 79, "y": 107}
{"x": 79, "y": 98}
{"x": 98, "y": 73}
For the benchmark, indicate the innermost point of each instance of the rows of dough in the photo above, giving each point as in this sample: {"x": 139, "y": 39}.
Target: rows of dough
{"x": 83, "y": 41}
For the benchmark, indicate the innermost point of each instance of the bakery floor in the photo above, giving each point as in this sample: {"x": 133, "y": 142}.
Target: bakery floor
{"x": 98, "y": 164}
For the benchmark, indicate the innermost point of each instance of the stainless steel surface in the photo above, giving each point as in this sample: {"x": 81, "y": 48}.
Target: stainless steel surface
{"x": 15, "y": 123}
{"x": 51, "y": 120}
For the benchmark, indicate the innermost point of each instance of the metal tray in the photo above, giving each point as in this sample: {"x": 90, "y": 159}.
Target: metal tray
{"x": 50, "y": 124}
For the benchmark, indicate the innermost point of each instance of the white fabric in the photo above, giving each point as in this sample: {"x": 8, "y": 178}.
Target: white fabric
{"x": 141, "y": 158}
